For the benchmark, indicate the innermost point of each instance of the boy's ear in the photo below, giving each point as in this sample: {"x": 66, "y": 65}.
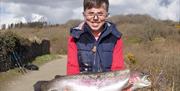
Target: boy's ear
{"x": 83, "y": 14}
{"x": 107, "y": 16}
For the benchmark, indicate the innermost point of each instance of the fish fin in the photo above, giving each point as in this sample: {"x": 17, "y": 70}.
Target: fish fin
{"x": 58, "y": 76}
{"x": 128, "y": 87}
{"x": 40, "y": 85}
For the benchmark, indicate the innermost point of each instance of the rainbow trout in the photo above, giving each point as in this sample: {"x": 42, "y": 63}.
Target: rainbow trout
{"x": 105, "y": 81}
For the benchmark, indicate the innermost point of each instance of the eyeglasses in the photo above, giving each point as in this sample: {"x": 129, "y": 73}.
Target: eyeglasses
{"x": 101, "y": 15}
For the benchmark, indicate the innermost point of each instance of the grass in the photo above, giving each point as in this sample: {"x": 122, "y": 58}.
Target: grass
{"x": 132, "y": 40}
{"x": 13, "y": 73}
{"x": 159, "y": 56}
{"x": 40, "y": 60}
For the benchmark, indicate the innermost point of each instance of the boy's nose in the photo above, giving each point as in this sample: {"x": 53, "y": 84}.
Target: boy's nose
{"x": 95, "y": 17}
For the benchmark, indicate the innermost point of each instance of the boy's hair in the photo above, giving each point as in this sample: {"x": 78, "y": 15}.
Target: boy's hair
{"x": 88, "y": 4}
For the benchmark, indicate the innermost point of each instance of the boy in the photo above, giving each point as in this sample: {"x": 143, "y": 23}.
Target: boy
{"x": 95, "y": 45}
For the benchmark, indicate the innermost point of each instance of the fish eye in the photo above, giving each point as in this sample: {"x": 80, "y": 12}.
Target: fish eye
{"x": 148, "y": 78}
{"x": 141, "y": 74}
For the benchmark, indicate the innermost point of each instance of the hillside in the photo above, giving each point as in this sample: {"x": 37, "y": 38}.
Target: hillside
{"x": 150, "y": 45}
{"x": 138, "y": 26}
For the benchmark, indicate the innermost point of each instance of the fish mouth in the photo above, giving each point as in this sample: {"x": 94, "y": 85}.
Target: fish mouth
{"x": 147, "y": 80}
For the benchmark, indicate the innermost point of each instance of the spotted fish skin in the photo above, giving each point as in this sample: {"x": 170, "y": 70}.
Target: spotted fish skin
{"x": 105, "y": 81}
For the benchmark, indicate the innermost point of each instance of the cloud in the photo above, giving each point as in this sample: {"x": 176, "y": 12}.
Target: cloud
{"x": 77, "y": 13}
{"x": 159, "y": 9}
{"x": 6, "y": 18}
{"x": 60, "y": 11}
{"x": 50, "y": 3}
{"x": 173, "y": 11}
{"x": 57, "y": 11}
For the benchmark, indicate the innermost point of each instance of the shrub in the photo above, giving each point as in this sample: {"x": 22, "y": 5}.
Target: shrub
{"x": 131, "y": 58}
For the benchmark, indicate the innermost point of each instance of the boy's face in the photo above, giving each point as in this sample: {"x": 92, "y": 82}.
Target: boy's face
{"x": 95, "y": 17}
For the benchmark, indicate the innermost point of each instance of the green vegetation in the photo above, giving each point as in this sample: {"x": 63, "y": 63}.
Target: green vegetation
{"x": 150, "y": 45}
{"x": 132, "y": 40}
{"x": 40, "y": 60}
{"x": 13, "y": 73}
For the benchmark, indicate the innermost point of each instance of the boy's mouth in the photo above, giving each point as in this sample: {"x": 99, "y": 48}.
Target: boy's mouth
{"x": 95, "y": 24}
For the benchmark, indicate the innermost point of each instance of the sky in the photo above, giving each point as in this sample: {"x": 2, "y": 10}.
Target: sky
{"x": 60, "y": 11}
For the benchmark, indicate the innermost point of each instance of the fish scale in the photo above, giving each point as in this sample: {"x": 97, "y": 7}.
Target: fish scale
{"x": 104, "y": 81}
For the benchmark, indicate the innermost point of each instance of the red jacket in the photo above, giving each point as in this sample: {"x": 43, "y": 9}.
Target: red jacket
{"x": 72, "y": 63}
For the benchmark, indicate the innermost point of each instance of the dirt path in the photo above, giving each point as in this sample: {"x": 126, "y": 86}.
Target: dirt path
{"x": 46, "y": 72}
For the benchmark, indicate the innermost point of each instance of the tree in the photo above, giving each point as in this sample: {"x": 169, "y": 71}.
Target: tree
{"x": 3, "y": 26}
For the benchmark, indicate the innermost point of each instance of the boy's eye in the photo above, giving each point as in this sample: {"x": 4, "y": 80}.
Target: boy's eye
{"x": 93, "y": 14}
{"x": 90, "y": 13}
{"x": 100, "y": 14}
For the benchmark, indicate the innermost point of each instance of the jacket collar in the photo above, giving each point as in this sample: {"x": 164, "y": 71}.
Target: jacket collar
{"x": 108, "y": 28}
